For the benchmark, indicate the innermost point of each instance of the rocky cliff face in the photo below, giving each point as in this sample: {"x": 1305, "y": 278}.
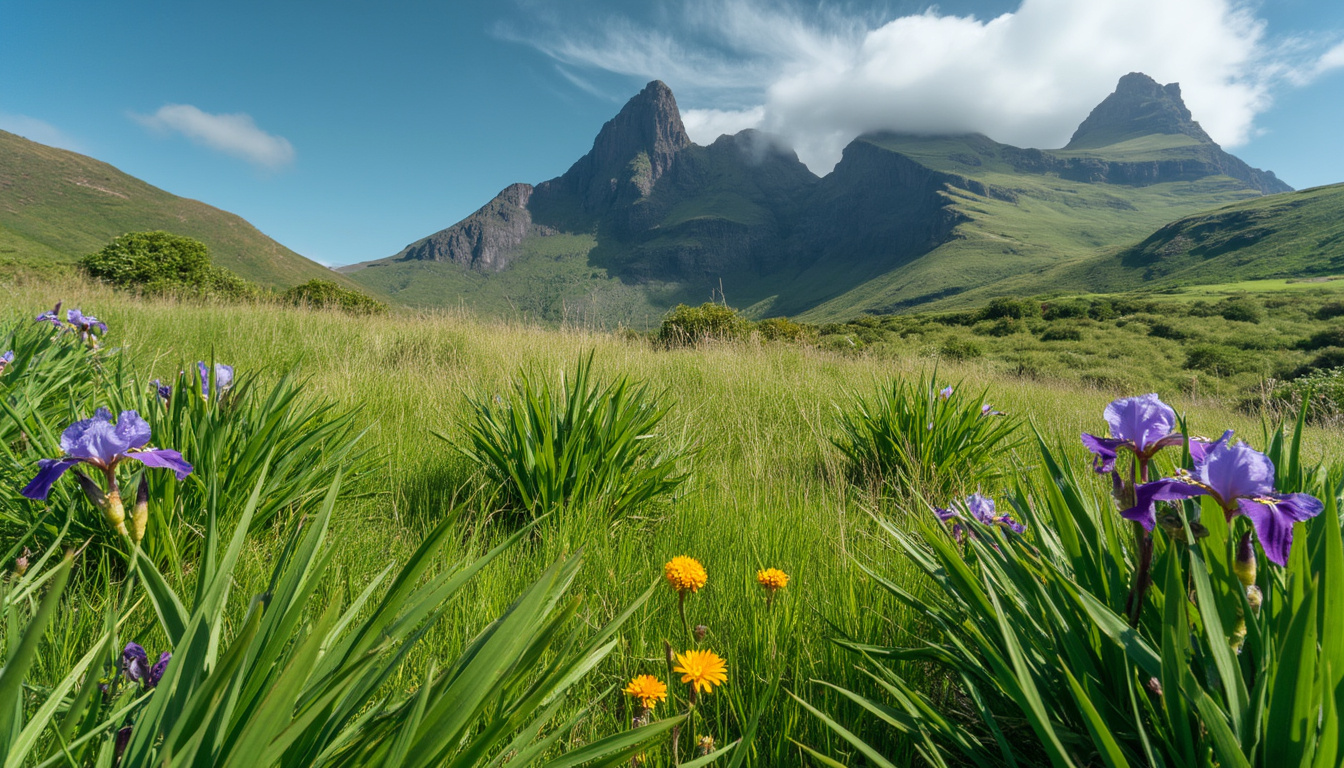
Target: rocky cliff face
{"x": 484, "y": 240}
{"x": 631, "y": 153}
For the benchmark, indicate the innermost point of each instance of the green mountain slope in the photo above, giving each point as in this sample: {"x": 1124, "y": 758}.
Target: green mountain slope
{"x": 1295, "y": 235}
{"x": 1020, "y": 217}
{"x": 56, "y": 204}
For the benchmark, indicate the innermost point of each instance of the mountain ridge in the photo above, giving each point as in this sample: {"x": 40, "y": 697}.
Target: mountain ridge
{"x": 744, "y": 215}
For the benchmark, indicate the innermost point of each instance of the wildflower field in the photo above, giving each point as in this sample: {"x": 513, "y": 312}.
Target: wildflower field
{"x": 302, "y": 537}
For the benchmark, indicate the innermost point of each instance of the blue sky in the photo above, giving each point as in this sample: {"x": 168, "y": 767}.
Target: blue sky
{"x": 347, "y": 130}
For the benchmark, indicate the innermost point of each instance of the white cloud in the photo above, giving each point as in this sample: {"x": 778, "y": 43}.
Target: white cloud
{"x": 38, "y": 130}
{"x": 236, "y": 135}
{"x": 820, "y": 78}
{"x": 706, "y": 125}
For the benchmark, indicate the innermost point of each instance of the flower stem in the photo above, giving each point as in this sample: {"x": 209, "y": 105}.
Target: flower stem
{"x": 1143, "y": 574}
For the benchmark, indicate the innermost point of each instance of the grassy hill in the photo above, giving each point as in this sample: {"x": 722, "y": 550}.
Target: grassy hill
{"x": 57, "y": 205}
{"x": 1292, "y": 235}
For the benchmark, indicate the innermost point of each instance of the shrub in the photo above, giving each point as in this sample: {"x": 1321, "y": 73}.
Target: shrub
{"x": 325, "y": 294}
{"x": 1005, "y": 307}
{"x": 1062, "y": 333}
{"x": 583, "y": 443}
{"x": 784, "y": 329}
{"x": 1218, "y": 360}
{"x": 1330, "y": 310}
{"x": 1241, "y": 309}
{"x": 1063, "y": 647}
{"x": 916, "y": 437}
{"x": 688, "y": 326}
{"x": 1168, "y": 331}
{"x": 958, "y": 348}
{"x": 1329, "y": 337}
{"x": 1065, "y": 309}
{"x": 1321, "y": 392}
{"x": 1004, "y": 326}
{"x": 159, "y": 263}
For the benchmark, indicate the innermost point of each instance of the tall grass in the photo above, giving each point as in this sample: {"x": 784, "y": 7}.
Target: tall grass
{"x": 768, "y": 490}
{"x": 580, "y": 443}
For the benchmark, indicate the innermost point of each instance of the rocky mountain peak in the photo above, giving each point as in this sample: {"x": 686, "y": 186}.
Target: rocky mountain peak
{"x": 1140, "y": 106}
{"x": 632, "y": 151}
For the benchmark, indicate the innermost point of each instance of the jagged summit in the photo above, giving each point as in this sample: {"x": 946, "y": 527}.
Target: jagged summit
{"x": 631, "y": 152}
{"x": 1138, "y": 107}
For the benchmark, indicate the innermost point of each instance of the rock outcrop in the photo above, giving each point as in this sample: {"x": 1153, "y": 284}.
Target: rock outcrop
{"x": 484, "y": 240}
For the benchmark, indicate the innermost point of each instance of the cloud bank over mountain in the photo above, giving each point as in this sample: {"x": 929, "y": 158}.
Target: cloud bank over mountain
{"x": 820, "y": 76}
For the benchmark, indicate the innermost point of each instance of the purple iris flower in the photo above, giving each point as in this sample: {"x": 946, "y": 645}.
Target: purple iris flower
{"x": 1141, "y": 425}
{"x": 53, "y": 316}
{"x": 988, "y": 410}
{"x": 1241, "y": 480}
{"x": 85, "y": 324}
{"x": 165, "y": 390}
{"x": 135, "y": 665}
{"x": 945, "y": 392}
{"x": 980, "y": 507}
{"x": 6, "y": 359}
{"x": 104, "y": 444}
{"x": 223, "y": 378}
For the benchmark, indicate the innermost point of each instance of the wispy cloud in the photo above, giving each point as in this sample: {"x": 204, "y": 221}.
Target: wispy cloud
{"x": 236, "y": 135}
{"x": 38, "y": 130}
{"x": 819, "y": 76}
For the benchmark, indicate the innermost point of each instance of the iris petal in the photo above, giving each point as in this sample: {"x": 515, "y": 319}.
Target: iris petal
{"x": 163, "y": 458}
{"x": 48, "y": 472}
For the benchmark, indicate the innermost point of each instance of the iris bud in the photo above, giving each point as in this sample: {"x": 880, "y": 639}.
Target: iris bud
{"x": 140, "y": 512}
{"x": 115, "y": 513}
{"x": 1255, "y": 597}
{"x": 1244, "y": 565}
{"x": 21, "y": 563}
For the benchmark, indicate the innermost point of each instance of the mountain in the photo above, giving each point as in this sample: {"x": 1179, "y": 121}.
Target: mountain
{"x": 647, "y": 218}
{"x": 60, "y": 205}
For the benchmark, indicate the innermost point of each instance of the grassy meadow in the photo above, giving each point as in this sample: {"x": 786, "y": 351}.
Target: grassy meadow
{"x": 767, "y": 488}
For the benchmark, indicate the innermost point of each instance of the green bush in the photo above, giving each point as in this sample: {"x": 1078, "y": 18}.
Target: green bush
{"x": 1320, "y": 391}
{"x": 784, "y": 329}
{"x": 1218, "y": 360}
{"x": 1330, "y": 310}
{"x": 1241, "y": 309}
{"x": 1168, "y": 331}
{"x": 918, "y": 437}
{"x": 1005, "y": 307}
{"x": 583, "y": 443}
{"x": 1329, "y": 337}
{"x": 959, "y": 348}
{"x": 1061, "y": 649}
{"x": 1062, "y": 333}
{"x": 158, "y": 263}
{"x": 326, "y": 294}
{"x": 1060, "y": 310}
{"x": 688, "y": 326}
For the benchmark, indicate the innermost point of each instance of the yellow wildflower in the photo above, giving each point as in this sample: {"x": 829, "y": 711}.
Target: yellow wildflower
{"x": 702, "y": 669}
{"x": 648, "y": 689}
{"x": 772, "y": 579}
{"x": 685, "y": 574}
